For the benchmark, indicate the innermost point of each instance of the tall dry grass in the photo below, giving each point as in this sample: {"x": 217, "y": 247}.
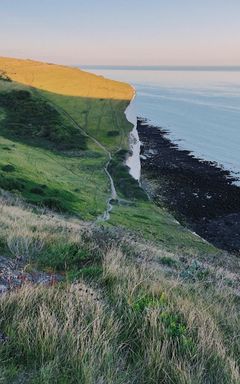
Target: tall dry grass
{"x": 134, "y": 322}
{"x": 67, "y": 335}
{"x": 134, "y": 327}
{"x": 183, "y": 333}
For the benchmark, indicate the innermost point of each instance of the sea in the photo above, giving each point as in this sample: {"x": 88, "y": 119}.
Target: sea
{"x": 198, "y": 106}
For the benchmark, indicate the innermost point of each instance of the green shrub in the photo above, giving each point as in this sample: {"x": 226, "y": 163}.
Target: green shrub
{"x": 62, "y": 256}
{"x": 168, "y": 261}
{"x": 8, "y": 168}
{"x": 113, "y": 133}
{"x": 4, "y": 77}
{"x": 89, "y": 272}
{"x": 37, "y": 190}
{"x": 148, "y": 301}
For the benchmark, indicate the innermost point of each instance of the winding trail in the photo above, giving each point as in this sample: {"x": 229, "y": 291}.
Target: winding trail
{"x": 105, "y": 216}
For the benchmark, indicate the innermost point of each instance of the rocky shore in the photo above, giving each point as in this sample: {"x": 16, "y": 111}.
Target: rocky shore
{"x": 200, "y": 194}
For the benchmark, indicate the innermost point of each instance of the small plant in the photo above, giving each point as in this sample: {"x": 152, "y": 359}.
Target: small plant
{"x": 195, "y": 271}
{"x": 65, "y": 256}
{"x": 4, "y": 76}
{"x": 168, "y": 261}
{"x": 113, "y": 133}
{"x": 146, "y": 301}
{"x": 23, "y": 246}
{"x": 8, "y": 168}
{"x": 90, "y": 272}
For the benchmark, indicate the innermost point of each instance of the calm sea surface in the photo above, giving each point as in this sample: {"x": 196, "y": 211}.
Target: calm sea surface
{"x": 199, "y": 107}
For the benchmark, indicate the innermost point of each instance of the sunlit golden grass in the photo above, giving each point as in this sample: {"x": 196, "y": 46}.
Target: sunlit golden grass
{"x": 64, "y": 80}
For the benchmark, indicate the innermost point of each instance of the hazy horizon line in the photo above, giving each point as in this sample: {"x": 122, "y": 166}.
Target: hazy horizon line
{"x": 163, "y": 67}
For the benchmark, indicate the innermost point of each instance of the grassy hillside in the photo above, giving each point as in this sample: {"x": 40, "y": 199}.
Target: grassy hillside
{"x": 141, "y": 299}
{"x": 66, "y": 171}
{"x": 65, "y": 166}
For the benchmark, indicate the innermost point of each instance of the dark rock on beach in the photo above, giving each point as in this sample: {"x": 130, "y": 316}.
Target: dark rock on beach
{"x": 199, "y": 193}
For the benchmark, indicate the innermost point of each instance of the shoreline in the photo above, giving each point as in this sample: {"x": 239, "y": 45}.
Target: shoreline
{"x": 201, "y": 195}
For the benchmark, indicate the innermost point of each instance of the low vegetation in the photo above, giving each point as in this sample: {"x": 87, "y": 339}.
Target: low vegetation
{"x": 123, "y": 313}
{"x": 4, "y": 76}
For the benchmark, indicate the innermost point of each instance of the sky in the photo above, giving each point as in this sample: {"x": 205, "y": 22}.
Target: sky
{"x": 122, "y": 32}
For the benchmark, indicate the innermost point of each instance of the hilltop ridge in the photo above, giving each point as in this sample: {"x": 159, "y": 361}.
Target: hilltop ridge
{"x": 64, "y": 80}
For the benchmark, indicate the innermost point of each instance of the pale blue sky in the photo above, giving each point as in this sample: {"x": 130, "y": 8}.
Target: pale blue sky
{"x": 122, "y": 32}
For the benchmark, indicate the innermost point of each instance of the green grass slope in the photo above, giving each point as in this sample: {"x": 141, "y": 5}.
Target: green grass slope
{"x": 49, "y": 161}
{"x": 40, "y": 165}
